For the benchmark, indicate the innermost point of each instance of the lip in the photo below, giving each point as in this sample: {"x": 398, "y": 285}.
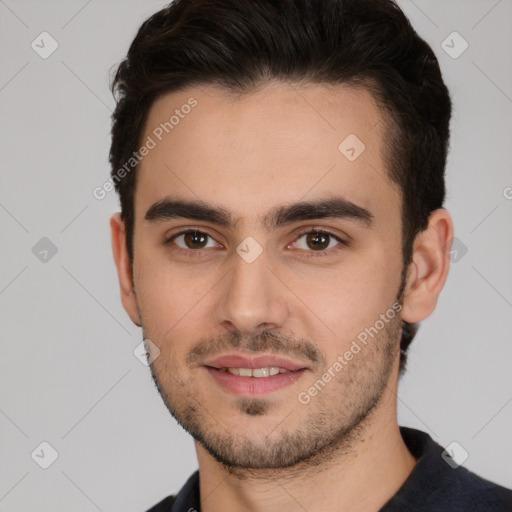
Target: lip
{"x": 253, "y": 386}
{"x": 241, "y": 361}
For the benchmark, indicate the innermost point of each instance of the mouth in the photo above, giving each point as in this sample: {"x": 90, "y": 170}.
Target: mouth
{"x": 255, "y": 372}
{"x": 254, "y": 376}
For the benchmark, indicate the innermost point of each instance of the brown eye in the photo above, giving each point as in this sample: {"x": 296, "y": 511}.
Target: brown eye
{"x": 192, "y": 239}
{"x": 317, "y": 241}
{"x": 195, "y": 239}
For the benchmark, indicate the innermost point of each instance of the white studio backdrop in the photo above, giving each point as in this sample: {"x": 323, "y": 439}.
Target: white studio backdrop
{"x": 68, "y": 374}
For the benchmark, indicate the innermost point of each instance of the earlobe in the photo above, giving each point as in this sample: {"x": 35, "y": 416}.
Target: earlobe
{"x": 428, "y": 270}
{"x": 124, "y": 267}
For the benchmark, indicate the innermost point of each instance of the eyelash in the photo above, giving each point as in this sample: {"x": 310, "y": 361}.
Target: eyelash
{"x": 319, "y": 231}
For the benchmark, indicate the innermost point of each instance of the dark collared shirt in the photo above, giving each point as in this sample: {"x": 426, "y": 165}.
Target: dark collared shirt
{"x": 433, "y": 485}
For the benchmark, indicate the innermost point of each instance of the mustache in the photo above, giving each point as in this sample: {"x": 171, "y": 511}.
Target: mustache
{"x": 265, "y": 341}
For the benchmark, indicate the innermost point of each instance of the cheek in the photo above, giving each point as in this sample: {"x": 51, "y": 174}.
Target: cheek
{"x": 350, "y": 298}
{"x": 166, "y": 296}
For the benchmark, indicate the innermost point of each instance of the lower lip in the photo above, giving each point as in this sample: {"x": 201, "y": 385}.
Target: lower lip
{"x": 251, "y": 386}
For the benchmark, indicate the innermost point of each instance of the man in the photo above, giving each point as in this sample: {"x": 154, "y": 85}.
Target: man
{"x": 280, "y": 166}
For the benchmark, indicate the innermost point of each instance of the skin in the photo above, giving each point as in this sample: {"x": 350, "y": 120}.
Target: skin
{"x": 250, "y": 154}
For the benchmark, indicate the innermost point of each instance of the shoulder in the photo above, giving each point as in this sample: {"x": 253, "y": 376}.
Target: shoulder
{"x": 438, "y": 483}
{"x": 477, "y": 493}
{"x": 186, "y": 500}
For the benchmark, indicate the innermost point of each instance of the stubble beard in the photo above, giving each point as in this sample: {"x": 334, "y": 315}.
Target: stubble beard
{"x": 332, "y": 423}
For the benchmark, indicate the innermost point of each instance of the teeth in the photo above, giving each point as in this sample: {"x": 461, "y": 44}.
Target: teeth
{"x": 256, "y": 372}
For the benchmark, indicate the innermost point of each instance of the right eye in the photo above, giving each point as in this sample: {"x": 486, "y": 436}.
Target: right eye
{"x": 192, "y": 240}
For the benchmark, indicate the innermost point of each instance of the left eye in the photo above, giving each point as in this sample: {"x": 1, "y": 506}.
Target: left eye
{"x": 317, "y": 241}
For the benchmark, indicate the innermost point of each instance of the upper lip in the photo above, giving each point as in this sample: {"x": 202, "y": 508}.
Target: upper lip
{"x": 262, "y": 361}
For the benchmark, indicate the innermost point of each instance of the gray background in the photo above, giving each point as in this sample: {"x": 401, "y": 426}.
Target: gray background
{"x": 68, "y": 374}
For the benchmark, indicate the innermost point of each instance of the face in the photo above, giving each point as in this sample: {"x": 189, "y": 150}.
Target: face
{"x": 267, "y": 263}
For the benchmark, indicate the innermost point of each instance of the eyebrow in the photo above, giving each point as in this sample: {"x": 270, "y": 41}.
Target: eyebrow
{"x": 334, "y": 208}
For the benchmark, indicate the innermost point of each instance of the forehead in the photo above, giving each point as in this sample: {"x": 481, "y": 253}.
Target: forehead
{"x": 280, "y": 144}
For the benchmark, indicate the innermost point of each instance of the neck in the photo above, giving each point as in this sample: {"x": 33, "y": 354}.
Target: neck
{"x": 364, "y": 473}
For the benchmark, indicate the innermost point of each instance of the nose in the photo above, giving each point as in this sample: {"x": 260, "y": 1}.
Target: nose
{"x": 252, "y": 299}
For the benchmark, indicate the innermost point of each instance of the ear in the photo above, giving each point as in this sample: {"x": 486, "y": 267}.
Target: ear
{"x": 124, "y": 267}
{"x": 428, "y": 270}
